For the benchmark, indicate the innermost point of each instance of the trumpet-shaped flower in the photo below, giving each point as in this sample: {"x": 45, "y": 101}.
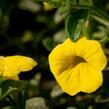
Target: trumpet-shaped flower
{"x": 77, "y": 66}
{"x": 11, "y": 66}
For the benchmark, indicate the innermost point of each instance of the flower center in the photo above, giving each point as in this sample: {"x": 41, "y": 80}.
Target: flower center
{"x": 76, "y": 60}
{"x": 71, "y": 63}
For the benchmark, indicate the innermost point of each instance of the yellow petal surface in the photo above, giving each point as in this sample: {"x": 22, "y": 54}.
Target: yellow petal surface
{"x": 16, "y": 64}
{"x": 92, "y": 52}
{"x": 87, "y": 48}
{"x": 90, "y": 79}
{"x": 68, "y": 80}
{"x": 14, "y": 77}
{"x": 1, "y": 65}
{"x": 60, "y": 58}
{"x": 98, "y": 61}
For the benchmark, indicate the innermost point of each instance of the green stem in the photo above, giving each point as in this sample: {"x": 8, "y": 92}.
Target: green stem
{"x": 101, "y": 13}
{"x": 22, "y": 97}
{"x": 20, "y": 102}
{"x": 98, "y": 99}
{"x": 101, "y": 21}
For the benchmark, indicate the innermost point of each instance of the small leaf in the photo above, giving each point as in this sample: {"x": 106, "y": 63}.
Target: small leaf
{"x": 75, "y": 22}
{"x": 49, "y": 43}
{"x": 9, "y": 86}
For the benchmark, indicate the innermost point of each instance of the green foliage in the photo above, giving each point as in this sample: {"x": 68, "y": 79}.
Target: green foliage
{"x": 56, "y": 3}
{"x": 49, "y": 44}
{"x": 27, "y": 29}
{"x": 10, "y": 86}
{"x": 74, "y": 23}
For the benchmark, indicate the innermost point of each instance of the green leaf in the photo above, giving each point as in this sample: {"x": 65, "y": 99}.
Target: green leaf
{"x": 9, "y": 86}
{"x": 49, "y": 43}
{"x": 75, "y": 23}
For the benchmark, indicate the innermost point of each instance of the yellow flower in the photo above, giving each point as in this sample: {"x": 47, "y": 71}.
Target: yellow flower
{"x": 78, "y": 66}
{"x": 11, "y": 66}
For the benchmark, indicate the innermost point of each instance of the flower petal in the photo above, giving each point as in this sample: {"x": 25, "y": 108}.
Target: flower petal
{"x": 90, "y": 79}
{"x": 15, "y": 64}
{"x": 1, "y": 65}
{"x": 92, "y": 52}
{"x": 87, "y": 48}
{"x": 68, "y": 80}
{"x": 60, "y": 58}
{"x": 14, "y": 77}
{"x": 98, "y": 61}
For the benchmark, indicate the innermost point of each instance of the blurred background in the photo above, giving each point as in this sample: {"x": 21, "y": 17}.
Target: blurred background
{"x": 30, "y": 28}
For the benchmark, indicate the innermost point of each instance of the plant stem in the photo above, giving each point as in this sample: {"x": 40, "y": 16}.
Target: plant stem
{"x": 100, "y": 20}
{"x": 101, "y": 13}
{"x": 22, "y": 97}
